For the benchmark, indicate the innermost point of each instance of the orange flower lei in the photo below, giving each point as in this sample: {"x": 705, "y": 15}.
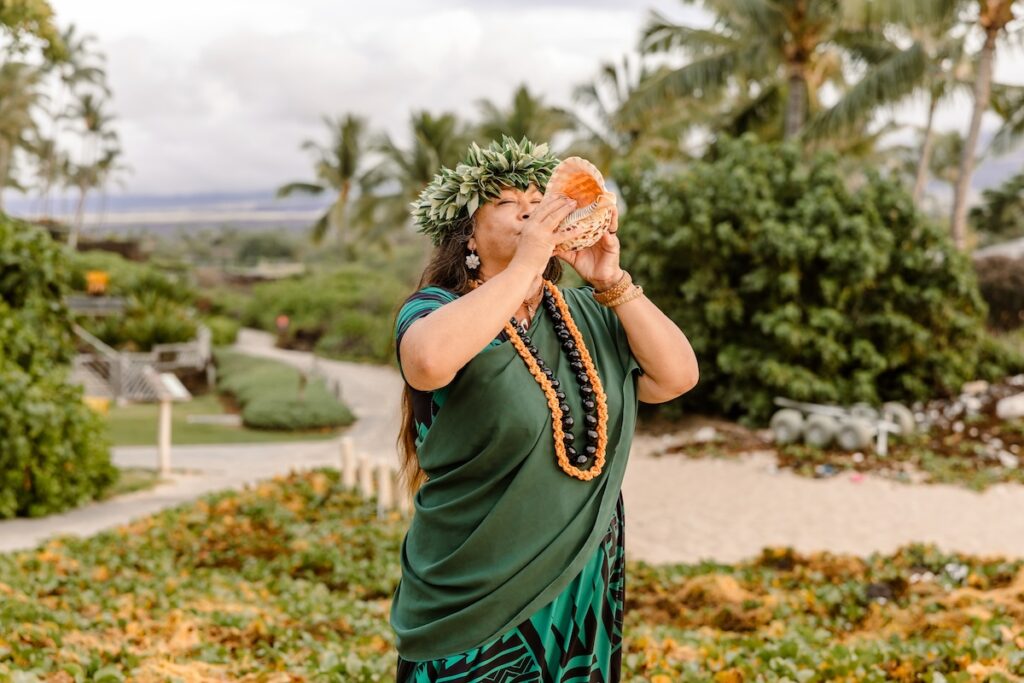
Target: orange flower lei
{"x": 549, "y": 391}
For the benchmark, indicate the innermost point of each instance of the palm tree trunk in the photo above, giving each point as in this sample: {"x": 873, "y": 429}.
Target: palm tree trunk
{"x": 982, "y": 93}
{"x": 796, "y": 101}
{"x": 926, "y": 150}
{"x": 77, "y": 226}
{"x": 342, "y": 204}
{"x": 5, "y": 160}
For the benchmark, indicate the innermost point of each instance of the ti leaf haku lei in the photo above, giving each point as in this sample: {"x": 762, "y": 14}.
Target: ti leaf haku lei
{"x": 592, "y": 396}
{"x": 480, "y": 177}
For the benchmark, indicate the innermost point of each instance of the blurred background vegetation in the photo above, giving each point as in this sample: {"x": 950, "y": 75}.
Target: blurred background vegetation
{"x": 766, "y": 205}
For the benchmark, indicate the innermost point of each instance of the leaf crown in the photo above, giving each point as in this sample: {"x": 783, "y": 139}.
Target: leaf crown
{"x": 480, "y": 177}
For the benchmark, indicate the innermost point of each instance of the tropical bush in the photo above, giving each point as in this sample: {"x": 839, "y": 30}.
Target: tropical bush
{"x": 271, "y": 246}
{"x": 53, "y": 450}
{"x": 158, "y": 306}
{"x": 223, "y": 330}
{"x": 1000, "y": 215}
{"x": 272, "y": 395}
{"x": 790, "y": 279}
{"x": 1001, "y": 280}
{"x": 346, "y": 313}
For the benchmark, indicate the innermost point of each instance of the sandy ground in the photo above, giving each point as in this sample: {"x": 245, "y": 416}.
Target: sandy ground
{"x": 681, "y": 509}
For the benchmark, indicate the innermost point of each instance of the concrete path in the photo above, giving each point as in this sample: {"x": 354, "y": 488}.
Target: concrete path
{"x": 373, "y": 392}
{"x": 195, "y": 471}
{"x": 677, "y": 509}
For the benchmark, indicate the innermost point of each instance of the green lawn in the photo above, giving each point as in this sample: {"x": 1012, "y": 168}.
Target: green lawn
{"x": 132, "y": 479}
{"x": 136, "y": 425}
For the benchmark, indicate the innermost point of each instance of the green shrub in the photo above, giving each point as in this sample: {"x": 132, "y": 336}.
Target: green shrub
{"x": 53, "y": 449}
{"x": 271, "y": 246}
{"x": 223, "y": 330}
{"x": 1000, "y": 216}
{"x": 787, "y": 282}
{"x": 346, "y": 313}
{"x": 268, "y": 392}
{"x": 128, "y": 278}
{"x": 158, "y": 308}
{"x": 1001, "y": 280}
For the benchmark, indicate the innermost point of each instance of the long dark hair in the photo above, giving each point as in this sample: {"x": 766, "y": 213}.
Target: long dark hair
{"x": 446, "y": 268}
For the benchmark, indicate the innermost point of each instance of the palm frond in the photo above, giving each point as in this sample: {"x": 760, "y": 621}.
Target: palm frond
{"x": 887, "y": 83}
{"x": 661, "y": 35}
{"x": 1008, "y": 102}
{"x": 700, "y": 77}
{"x": 299, "y": 188}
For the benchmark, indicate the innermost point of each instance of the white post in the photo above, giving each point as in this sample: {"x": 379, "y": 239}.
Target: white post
{"x": 164, "y": 437}
{"x": 365, "y": 477}
{"x": 385, "y": 499}
{"x": 348, "y": 464}
{"x": 403, "y": 499}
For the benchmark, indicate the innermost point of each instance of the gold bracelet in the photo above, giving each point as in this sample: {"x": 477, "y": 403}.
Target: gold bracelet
{"x": 633, "y": 293}
{"x": 615, "y": 290}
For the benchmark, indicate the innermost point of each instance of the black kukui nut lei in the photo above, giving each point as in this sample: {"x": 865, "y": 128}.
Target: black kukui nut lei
{"x": 586, "y": 390}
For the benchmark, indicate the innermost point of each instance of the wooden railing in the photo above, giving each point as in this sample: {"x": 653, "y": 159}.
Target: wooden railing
{"x": 124, "y": 372}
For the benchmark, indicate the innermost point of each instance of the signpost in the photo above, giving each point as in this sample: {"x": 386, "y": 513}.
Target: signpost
{"x": 169, "y": 388}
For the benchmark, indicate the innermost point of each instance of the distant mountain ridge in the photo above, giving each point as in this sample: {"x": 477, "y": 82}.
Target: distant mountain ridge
{"x": 260, "y": 210}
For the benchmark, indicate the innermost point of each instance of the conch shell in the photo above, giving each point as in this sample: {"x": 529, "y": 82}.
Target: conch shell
{"x": 580, "y": 179}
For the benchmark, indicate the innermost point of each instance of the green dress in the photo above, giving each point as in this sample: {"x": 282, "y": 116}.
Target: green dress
{"x": 562, "y": 622}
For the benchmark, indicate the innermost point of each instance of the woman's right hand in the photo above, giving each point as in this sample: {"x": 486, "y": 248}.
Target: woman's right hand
{"x": 540, "y": 234}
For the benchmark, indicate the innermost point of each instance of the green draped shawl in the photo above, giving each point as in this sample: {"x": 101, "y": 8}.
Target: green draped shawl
{"x": 499, "y": 530}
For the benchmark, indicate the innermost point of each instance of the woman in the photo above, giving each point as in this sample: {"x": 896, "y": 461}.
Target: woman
{"x": 519, "y": 410}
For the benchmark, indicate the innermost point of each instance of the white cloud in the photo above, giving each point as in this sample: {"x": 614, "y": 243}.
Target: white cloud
{"x": 217, "y": 96}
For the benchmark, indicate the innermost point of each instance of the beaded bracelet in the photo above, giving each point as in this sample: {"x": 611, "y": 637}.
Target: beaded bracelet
{"x": 633, "y": 293}
{"x": 615, "y": 290}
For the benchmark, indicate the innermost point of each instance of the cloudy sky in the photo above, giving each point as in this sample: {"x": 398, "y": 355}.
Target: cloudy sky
{"x": 217, "y": 95}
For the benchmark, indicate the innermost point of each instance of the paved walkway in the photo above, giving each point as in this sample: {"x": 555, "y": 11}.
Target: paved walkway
{"x": 372, "y": 392}
{"x": 195, "y": 471}
{"x": 677, "y": 509}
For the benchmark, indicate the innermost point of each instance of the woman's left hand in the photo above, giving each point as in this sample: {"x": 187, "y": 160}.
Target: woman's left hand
{"x": 598, "y": 264}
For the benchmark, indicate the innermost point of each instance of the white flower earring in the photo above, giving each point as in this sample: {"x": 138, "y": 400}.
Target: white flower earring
{"x": 472, "y": 260}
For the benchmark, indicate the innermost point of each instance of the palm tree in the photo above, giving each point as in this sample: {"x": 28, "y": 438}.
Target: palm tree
{"x": 338, "y": 166}
{"x": 20, "y": 19}
{"x": 403, "y": 172}
{"x": 19, "y": 94}
{"x": 527, "y": 116}
{"x": 994, "y": 17}
{"x": 933, "y": 64}
{"x": 80, "y": 67}
{"x": 99, "y": 151}
{"x": 764, "y": 51}
{"x": 616, "y": 130}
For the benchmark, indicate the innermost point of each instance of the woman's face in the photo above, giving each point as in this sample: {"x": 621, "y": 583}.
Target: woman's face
{"x": 498, "y": 223}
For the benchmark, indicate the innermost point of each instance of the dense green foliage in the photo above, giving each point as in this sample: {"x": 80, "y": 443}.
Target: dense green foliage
{"x": 270, "y": 246}
{"x": 1000, "y": 215}
{"x": 53, "y": 452}
{"x": 158, "y": 307}
{"x": 1001, "y": 280}
{"x": 291, "y": 579}
{"x": 788, "y": 282}
{"x": 272, "y": 395}
{"x": 223, "y": 329}
{"x": 347, "y": 313}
